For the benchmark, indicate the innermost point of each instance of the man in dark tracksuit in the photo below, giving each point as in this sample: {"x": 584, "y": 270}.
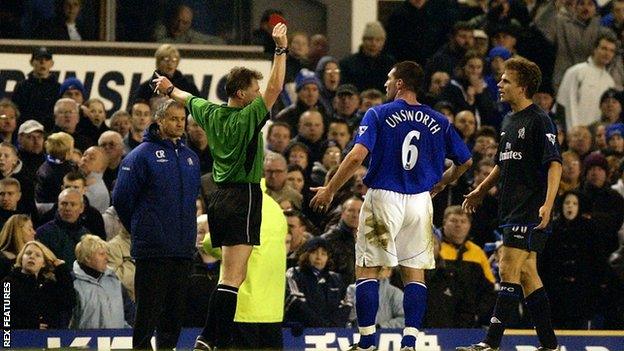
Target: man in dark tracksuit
{"x": 155, "y": 196}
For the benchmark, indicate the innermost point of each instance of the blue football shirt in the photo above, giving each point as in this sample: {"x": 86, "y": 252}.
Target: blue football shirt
{"x": 408, "y": 145}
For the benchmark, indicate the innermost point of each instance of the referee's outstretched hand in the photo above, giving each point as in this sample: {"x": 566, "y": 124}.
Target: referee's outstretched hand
{"x": 279, "y": 35}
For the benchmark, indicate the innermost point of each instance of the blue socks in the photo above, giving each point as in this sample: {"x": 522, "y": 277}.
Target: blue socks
{"x": 414, "y": 306}
{"x": 366, "y": 306}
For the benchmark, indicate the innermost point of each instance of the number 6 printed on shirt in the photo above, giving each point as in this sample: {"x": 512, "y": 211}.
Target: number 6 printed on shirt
{"x": 409, "y": 154}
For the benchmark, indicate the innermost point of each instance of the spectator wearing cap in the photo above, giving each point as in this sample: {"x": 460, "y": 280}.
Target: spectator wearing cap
{"x": 9, "y": 115}
{"x": 328, "y": 71}
{"x": 584, "y": 83}
{"x": 496, "y": 59}
{"x": 73, "y": 88}
{"x": 615, "y": 140}
{"x": 30, "y": 150}
{"x": 574, "y": 35}
{"x": 314, "y": 293}
{"x": 611, "y": 106}
{"x": 308, "y": 88}
{"x": 346, "y": 104}
{"x": 167, "y": 60}
{"x": 35, "y": 96}
{"x": 67, "y": 24}
{"x": 368, "y": 67}
{"x": 66, "y": 115}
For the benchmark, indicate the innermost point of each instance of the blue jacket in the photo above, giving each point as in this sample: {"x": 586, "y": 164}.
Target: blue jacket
{"x": 155, "y": 194}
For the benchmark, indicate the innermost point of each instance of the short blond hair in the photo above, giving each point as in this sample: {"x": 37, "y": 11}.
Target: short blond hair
{"x": 89, "y": 244}
{"x": 59, "y": 144}
{"x": 166, "y": 50}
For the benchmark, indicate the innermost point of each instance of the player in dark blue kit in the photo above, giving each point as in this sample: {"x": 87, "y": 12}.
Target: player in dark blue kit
{"x": 408, "y": 143}
{"x": 528, "y": 171}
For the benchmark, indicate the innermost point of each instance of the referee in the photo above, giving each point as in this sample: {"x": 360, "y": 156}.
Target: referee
{"x": 528, "y": 170}
{"x": 234, "y": 208}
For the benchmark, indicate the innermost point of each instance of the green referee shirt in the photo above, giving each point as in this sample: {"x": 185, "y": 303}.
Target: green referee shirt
{"x": 234, "y": 137}
{"x": 261, "y": 296}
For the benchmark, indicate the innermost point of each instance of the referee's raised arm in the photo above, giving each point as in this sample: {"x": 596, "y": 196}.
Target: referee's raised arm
{"x": 274, "y": 85}
{"x": 165, "y": 87}
{"x": 278, "y": 71}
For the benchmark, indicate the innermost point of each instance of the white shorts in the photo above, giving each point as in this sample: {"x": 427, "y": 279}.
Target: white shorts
{"x": 395, "y": 229}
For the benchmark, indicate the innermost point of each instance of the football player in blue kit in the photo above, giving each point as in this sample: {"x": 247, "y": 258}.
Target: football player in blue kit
{"x": 408, "y": 143}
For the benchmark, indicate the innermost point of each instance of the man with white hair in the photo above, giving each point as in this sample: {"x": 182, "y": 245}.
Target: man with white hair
{"x": 66, "y": 117}
{"x": 275, "y": 175}
{"x": 112, "y": 143}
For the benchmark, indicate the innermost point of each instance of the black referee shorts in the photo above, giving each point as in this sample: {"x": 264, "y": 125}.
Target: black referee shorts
{"x": 234, "y": 214}
{"x": 525, "y": 237}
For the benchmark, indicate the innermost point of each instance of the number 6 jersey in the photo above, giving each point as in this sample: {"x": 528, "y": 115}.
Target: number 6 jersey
{"x": 408, "y": 145}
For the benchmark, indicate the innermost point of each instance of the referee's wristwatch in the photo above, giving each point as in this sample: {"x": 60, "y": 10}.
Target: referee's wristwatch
{"x": 281, "y": 50}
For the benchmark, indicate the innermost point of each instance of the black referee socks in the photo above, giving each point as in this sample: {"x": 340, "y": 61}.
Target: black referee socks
{"x": 220, "y": 320}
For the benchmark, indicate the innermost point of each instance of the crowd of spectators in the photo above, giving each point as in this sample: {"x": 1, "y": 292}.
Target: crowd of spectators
{"x": 59, "y": 157}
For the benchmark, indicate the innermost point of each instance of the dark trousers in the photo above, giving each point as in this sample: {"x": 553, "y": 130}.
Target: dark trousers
{"x": 257, "y": 336}
{"x": 160, "y": 285}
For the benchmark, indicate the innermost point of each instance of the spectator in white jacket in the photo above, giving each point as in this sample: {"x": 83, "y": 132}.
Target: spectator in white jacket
{"x": 98, "y": 291}
{"x": 584, "y": 83}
